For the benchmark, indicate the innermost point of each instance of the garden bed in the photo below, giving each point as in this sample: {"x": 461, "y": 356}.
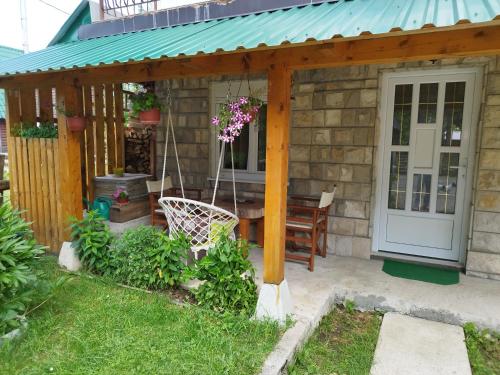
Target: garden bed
{"x": 94, "y": 326}
{"x": 344, "y": 343}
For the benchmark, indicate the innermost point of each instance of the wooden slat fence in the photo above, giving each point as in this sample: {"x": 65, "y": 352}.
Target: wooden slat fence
{"x": 35, "y": 164}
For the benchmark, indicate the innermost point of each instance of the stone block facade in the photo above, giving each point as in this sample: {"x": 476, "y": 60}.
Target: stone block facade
{"x": 334, "y": 135}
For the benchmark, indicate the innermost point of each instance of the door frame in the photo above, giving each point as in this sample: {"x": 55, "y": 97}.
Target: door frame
{"x": 471, "y": 171}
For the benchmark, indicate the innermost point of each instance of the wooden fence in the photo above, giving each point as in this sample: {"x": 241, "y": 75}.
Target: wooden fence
{"x": 41, "y": 172}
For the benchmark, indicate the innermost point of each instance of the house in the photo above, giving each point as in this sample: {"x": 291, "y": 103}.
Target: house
{"x": 397, "y": 103}
{"x": 5, "y": 53}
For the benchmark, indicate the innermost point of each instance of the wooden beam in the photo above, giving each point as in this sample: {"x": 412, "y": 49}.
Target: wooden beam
{"x": 278, "y": 119}
{"x": 119, "y": 127}
{"x": 100, "y": 152}
{"x": 70, "y": 177}
{"x": 28, "y": 106}
{"x": 424, "y": 44}
{"x": 110, "y": 127}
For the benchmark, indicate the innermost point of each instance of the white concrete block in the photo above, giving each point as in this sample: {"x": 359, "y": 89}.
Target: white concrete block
{"x": 274, "y": 302}
{"x": 68, "y": 258}
{"x": 414, "y": 346}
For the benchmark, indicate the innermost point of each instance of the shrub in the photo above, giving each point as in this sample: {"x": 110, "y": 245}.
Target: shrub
{"x": 92, "y": 239}
{"x": 29, "y": 130}
{"x": 19, "y": 279}
{"x": 229, "y": 279}
{"x": 145, "y": 257}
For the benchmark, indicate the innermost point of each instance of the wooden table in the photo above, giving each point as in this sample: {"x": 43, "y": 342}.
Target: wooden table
{"x": 248, "y": 211}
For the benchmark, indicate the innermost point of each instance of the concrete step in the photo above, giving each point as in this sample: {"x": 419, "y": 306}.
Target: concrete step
{"x": 408, "y": 345}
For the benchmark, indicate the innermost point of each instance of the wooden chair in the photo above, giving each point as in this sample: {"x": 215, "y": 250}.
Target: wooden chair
{"x": 310, "y": 221}
{"x": 154, "y": 191}
{"x": 4, "y": 184}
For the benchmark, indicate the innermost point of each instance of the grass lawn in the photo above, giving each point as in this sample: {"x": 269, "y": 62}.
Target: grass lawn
{"x": 483, "y": 347}
{"x": 344, "y": 343}
{"x": 94, "y": 327}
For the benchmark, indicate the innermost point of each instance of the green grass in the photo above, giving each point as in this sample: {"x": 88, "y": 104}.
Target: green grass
{"x": 94, "y": 327}
{"x": 483, "y": 347}
{"x": 344, "y": 343}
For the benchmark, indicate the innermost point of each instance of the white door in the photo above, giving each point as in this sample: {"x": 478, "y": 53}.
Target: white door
{"x": 428, "y": 121}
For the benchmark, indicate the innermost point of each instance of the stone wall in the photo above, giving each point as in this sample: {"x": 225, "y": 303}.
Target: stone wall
{"x": 483, "y": 258}
{"x": 333, "y": 141}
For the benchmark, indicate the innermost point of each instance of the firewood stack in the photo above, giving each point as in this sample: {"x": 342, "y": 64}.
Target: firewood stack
{"x": 139, "y": 150}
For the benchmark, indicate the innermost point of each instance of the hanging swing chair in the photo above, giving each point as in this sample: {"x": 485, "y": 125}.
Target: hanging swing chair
{"x": 203, "y": 223}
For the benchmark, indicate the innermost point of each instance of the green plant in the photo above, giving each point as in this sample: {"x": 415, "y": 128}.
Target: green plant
{"x": 66, "y": 112}
{"x": 29, "y": 130}
{"x": 483, "y": 348}
{"x": 92, "y": 239}
{"x": 19, "y": 278}
{"x": 350, "y": 306}
{"x": 144, "y": 101}
{"x": 145, "y": 257}
{"x": 228, "y": 278}
{"x": 118, "y": 172}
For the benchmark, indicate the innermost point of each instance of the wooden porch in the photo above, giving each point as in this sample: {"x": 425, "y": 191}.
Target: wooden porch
{"x": 46, "y": 178}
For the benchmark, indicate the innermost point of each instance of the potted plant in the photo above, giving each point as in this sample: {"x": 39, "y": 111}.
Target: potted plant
{"x": 146, "y": 106}
{"x": 118, "y": 172}
{"x": 120, "y": 195}
{"x": 75, "y": 122}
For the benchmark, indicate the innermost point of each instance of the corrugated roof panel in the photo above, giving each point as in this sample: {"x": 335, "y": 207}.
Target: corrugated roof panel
{"x": 6, "y": 53}
{"x": 272, "y": 28}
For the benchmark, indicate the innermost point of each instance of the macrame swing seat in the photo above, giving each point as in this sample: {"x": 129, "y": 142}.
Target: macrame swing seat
{"x": 203, "y": 224}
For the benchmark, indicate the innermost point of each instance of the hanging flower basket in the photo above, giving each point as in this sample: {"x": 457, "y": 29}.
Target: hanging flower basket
{"x": 234, "y": 115}
{"x": 146, "y": 106}
{"x": 76, "y": 124}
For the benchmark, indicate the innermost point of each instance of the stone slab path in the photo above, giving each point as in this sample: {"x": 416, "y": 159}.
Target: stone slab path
{"x": 408, "y": 345}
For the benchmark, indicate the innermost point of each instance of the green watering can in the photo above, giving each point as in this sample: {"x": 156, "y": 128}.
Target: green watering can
{"x": 101, "y": 205}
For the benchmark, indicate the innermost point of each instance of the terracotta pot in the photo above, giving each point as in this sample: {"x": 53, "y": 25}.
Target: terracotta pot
{"x": 76, "y": 124}
{"x": 150, "y": 117}
{"x": 122, "y": 200}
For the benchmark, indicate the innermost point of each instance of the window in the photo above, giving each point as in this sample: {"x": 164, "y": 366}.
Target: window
{"x": 249, "y": 149}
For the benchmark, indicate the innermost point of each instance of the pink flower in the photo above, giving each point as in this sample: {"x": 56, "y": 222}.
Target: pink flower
{"x": 215, "y": 121}
{"x": 243, "y": 100}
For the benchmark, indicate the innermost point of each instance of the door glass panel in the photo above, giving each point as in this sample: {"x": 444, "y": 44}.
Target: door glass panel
{"x": 421, "y": 193}
{"x": 427, "y": 104}
{"x": 397, "y": 180}
{"x": 402, "y": 115}
{"x": 453, "y": 114}
{"x": 447, "y": 183}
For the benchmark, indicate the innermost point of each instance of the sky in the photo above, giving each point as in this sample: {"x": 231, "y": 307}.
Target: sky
{"x": 44, "y": 21}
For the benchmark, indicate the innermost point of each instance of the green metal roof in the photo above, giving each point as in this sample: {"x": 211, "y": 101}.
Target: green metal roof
{"x": 6, "y": 53}
{"x": 69, "y": 31}
{"x": 294, "y": 25}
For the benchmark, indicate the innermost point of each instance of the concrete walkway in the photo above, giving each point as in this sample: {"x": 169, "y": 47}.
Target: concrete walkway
{"x": 362, "y": 281}
{"x": 414, "y": 346}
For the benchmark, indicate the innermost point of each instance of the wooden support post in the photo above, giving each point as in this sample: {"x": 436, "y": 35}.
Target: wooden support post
{"x": 70, "y": 177}
{"x": 278, "y": 116}
{"x": 100, "y": 152}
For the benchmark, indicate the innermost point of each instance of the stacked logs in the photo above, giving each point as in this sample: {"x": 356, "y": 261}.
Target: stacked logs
{"x": 139, "y": 150}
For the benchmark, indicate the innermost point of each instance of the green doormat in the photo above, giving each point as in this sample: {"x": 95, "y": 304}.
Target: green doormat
{"x": 420, "y": 272}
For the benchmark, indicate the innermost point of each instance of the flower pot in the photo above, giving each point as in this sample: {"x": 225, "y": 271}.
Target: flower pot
{"x": 122, "y": 201}
{"x": 76, "y": 124}
{"x": 150, "y": 117}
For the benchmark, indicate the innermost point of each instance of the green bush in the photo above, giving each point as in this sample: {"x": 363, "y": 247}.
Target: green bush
{"x": 92, "y": 239}
{"x": 145, "y": 257}
{"x": 44, "y": 130}
{"x": 19, "y": 254}
{"x": 229, "y": 279}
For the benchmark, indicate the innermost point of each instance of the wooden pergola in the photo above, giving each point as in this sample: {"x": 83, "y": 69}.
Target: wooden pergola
{"x": 279, "y": 63}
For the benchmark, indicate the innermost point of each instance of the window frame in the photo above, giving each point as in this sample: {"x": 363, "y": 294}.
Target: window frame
{"x": 218, "y": 95}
